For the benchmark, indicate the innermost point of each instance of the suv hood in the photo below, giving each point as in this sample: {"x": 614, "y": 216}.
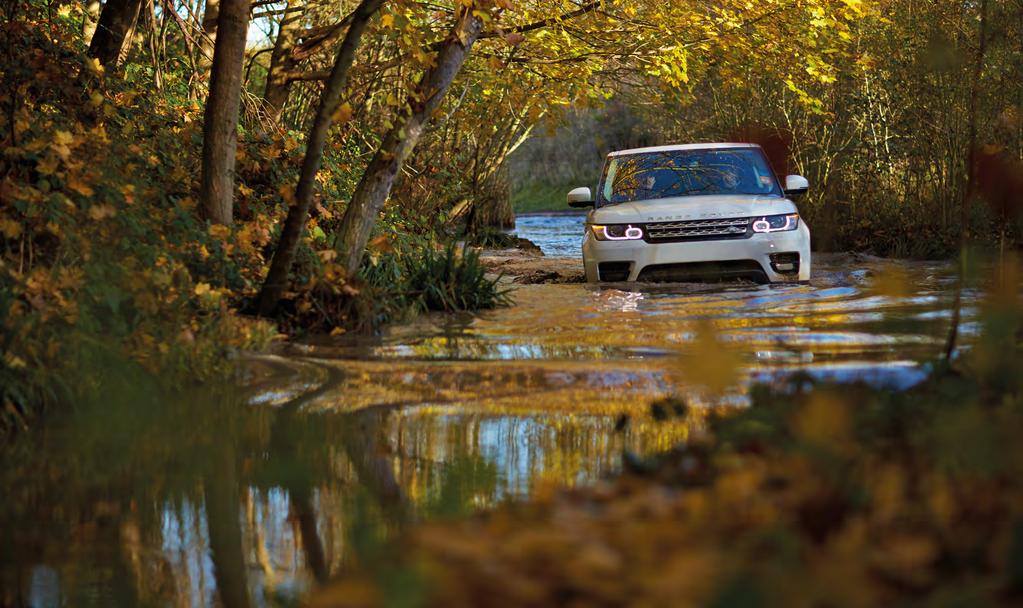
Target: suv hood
{"x": 691, "y": 208}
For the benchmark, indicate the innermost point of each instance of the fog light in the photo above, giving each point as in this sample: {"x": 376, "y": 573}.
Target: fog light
{"x": 785, "y": 263}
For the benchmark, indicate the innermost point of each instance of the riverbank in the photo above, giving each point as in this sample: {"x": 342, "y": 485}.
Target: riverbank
{"x": 524, "y": 267}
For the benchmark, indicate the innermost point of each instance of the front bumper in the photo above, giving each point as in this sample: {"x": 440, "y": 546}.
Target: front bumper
{"x": 656, "y": 257}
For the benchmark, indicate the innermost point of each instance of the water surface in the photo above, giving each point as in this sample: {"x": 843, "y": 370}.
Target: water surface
{"x": 253, "y": 490}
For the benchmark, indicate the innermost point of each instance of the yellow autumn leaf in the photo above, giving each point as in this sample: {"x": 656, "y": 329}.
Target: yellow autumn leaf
{"x": 219, "y": 231}
{"x": 10, "y": 228}
{"x": 77, "y": 185}
{"x": 63, "y": 138}
{"x": 13, "y": 361}
{"x": 287, "y": 193}
{"x": 343, "y": 113}
{"x": 47, "y": 165}
{"x": 387, "y": 21}
{"x": 94, "y": 66}
{"x": 100, "y": 212}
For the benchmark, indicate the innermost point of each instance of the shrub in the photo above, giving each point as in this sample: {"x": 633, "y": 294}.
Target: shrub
{"x": 452, "y": 280}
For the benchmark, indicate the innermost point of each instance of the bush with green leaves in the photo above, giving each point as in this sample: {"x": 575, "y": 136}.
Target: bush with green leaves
{"x": 414, "y": 277}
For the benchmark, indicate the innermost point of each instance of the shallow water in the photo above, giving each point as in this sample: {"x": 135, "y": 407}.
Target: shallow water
{"x": 328, "y": 447}
{"x": 558, "y": 235}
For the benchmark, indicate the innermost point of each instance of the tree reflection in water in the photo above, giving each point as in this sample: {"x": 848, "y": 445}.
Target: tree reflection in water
{"x": 141, "y": 498}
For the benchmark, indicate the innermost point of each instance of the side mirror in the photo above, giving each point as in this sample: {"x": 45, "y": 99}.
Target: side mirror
{"x": 796, "y": 186}
{"x": 580, "y": 198}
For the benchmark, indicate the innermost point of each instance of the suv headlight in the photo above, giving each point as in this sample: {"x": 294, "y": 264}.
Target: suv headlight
{"x": 616, "y": 232}
{"x": 776, "y": 223}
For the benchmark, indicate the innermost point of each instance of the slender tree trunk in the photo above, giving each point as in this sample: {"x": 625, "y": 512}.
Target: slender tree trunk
{"x": 375, "y": 185}
{"x": 277, "y": 83}
{"x": 220, "y": 122}
{"x": 112, "y": 32}
{"x": 153, "y": 38}
{"x": 291, "y": 233}
{"x": 971, "y": 174}
{"x": 207, "y": 40}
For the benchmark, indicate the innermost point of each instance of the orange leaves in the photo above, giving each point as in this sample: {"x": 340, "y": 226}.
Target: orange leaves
{"x": 381, "y": 244}
{"x": 76, "y": 184}
{"x": 219, "y": 232}
{"x": 287, "y": 193}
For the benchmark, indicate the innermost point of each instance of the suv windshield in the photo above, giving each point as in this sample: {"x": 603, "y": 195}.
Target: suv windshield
{"x": 652, "y": 175}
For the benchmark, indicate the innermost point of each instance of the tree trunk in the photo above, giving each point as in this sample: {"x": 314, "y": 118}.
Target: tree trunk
{"x": 220, "y": 122}
{"x": 375, "y": 185}
{"x": 208, "y": 36}
{"x": 91, "y": 18}
{"x": 115, "y": 23}
{"x": 277, "y": 84}
{"x": 330, "y": 100}
{"x": 971, "y": 175}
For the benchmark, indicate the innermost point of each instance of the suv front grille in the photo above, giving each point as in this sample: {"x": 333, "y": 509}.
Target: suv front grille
{"x": 698, "y": 230}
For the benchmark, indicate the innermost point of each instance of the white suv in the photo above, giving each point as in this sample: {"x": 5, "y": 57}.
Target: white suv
{"x": 694, "y": 213}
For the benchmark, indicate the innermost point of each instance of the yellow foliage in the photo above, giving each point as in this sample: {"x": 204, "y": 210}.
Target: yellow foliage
{"x": 101, "y": 212}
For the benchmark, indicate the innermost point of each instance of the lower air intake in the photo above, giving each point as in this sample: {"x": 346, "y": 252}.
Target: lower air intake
{"x": 705, "y": 272}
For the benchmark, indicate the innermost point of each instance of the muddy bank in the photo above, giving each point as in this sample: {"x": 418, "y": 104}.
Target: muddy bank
{"x": 528, "y": 267}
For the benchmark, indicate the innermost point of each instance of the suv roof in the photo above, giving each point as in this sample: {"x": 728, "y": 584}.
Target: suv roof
{"x": 718, "y": 146}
